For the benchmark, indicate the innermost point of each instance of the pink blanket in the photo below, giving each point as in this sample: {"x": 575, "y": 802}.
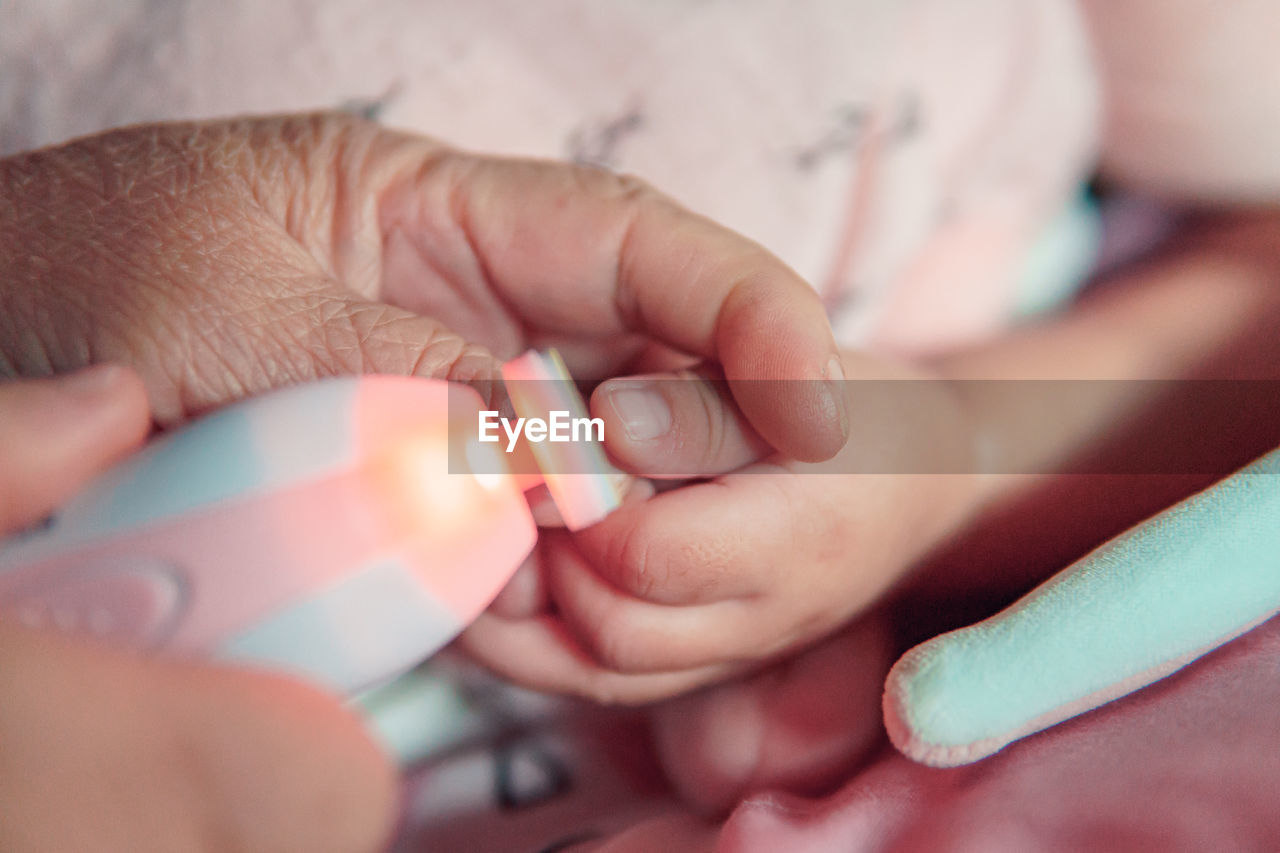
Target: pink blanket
{"x": 1187, "y": 764}
{"x": 1190, "y": 763}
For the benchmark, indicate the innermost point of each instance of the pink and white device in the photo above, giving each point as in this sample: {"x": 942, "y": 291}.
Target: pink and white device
{"x": 339, "y": 530}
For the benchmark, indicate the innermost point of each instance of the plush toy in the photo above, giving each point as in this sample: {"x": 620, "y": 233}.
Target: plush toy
{"x": 1135, "y": 610}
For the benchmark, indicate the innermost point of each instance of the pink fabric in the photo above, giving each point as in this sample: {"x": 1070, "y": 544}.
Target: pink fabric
{"x": 1191, "y": 96}
{"x": 896, "y": 154}
{"x": 1188, "y": 764}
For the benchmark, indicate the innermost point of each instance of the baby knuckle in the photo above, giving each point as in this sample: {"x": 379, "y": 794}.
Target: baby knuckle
{"x": 635, "y": 562}
{"x": 655, "y": 565}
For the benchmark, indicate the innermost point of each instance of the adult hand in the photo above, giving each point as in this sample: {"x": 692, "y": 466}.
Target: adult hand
{"x": 224, "y": 258}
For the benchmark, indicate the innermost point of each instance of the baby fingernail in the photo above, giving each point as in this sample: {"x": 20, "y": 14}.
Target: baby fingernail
{"x": 643, "y": 411}
{"x": 835, "y": 387}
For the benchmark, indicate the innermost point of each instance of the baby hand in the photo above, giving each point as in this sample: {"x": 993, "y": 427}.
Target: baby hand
{"x": 761, "y": 555}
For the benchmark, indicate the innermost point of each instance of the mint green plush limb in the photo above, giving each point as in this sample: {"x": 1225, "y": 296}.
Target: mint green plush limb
{"x": 1129, "y": 613}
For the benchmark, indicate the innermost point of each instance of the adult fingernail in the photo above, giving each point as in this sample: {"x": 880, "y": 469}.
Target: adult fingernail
{"x": 835, "y": 388}
{"x": 643, "y": 411}
{"x": 91, "y": 384}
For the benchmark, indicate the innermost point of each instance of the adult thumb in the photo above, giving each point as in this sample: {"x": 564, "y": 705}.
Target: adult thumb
{"x": 56, "y": 433}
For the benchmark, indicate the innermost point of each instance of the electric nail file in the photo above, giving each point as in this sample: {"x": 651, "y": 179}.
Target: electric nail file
{"x": 316, "y": 529}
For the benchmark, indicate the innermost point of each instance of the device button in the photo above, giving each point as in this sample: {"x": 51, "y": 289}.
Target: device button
{"x": 131, "y": 601}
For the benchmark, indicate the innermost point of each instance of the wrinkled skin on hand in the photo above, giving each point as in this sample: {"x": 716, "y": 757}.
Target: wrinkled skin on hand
{"x": 217, "y": 259}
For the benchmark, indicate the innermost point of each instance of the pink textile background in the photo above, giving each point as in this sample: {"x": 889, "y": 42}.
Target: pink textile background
{"x": 1190, "y": 763}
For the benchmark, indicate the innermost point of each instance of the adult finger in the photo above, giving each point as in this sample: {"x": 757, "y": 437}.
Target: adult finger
{"x": 385, "y": 339}
{"x": 577, "y": 249}
{"x": 56, "y": 433}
